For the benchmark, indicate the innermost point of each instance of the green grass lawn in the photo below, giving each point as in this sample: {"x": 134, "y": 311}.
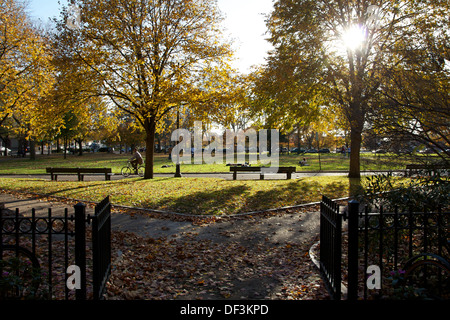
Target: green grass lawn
{"x": 190, "y": 195}
{"x": 327, "y": 162}
{"x": 203, "y": 196}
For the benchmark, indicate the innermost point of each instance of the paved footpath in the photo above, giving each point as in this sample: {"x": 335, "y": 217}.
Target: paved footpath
{"x": 293, "y": 227}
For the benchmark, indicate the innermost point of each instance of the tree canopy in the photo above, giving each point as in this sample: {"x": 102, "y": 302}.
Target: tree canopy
{"x": 26, "y": 73}
{"x": 345, "y": 50}
{"x": 148, "y": 56}
{"x": 120, "y": 67}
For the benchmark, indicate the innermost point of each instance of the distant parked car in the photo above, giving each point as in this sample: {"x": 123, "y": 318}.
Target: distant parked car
{"x": 380, "y": 151}
{"x": 427, "y": 150}
{"x": 324, "y": 150}
{"x": 311, "y": 151}
{"x": 2, "y": 151}
{"x": 297, "y": 150}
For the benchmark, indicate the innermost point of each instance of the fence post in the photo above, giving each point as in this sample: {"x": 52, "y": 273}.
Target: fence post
{"x": 80, "y": 248}
{"x": 353, "y": 215}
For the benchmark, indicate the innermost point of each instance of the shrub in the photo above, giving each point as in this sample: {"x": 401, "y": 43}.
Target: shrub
{"x": 20, "y": 279}
{"x": 429, "y": 189}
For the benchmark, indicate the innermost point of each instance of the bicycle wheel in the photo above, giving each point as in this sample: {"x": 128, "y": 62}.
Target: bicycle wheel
{"x": 141, "y": 171}
{"x": 429, "y": 275}
{"x": 24, "y": 265}
{"x": 126, "y": 171}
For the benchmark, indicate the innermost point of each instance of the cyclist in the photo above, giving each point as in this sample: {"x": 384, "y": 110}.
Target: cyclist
{"x": 136, "y": 159}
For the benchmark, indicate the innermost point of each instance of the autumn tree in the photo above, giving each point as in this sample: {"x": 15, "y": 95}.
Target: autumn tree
{"x": 26, "y": 73}
{"x": 279, "y": 98}
{"x": 233, "y": 109}
{"x": 416, "y": 96}
{"x": 344, "y": 49}
{"x": 149, "y": 56}
{"x": 128, "y": 132}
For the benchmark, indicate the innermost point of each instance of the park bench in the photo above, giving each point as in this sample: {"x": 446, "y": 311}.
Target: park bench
{"x": 81, "y": 172}
{"x": 416, "y": 168}
{"x": 263, "y": 171}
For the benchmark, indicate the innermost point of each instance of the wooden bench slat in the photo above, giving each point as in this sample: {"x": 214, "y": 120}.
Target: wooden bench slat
{"x": 80, "y": 172}
{"x": 263, "y": 171}
{"x": 62, "y": 170}
{"x": 255, "y": 169}
{"x": 95, "y": 170}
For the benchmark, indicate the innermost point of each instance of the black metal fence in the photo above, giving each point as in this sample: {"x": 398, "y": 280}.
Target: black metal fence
{"x": 331, "y": 242}
{"x": 101, "y": 247}
{"x": 36, "y": 252}
{"x": 377, "y": 248}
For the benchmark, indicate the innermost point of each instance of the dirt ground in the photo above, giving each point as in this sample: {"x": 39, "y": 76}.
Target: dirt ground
{"x": 164, "y": 257}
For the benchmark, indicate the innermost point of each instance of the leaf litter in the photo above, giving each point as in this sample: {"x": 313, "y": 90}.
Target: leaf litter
{"x": 241, "y": 267}
{"x": 246, "y": 265}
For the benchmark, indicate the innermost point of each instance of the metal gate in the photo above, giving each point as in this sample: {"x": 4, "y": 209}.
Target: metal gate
{"x": 331, "y": 246}
{"x": 36, "y": 251}
{"x": 101, "y": 247}
{"x": 388, "y": 242}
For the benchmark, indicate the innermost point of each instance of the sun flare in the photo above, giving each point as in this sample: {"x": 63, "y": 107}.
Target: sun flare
{"x": 354, "y": 37}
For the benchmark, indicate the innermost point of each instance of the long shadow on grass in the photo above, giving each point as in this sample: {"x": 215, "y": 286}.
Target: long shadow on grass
{"x": 79, "y": 186}
{"x": 294, "y": 193}
{"x": 223, "y": 201}
{"x": 241, "y": 199}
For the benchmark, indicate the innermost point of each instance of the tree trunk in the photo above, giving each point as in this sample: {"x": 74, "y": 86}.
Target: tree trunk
{"x": 150, "y": 130}
{"x": 32, "y": 149}
{"x": 65, "y": 148}
{"x": 80, "y": 141}
{"x": 355, "y": 148}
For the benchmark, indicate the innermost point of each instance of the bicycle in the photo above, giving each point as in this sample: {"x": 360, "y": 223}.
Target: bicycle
{"x": 21, "y": 273}
{"x": 129, "y": 169}
{"x": 429, "y": 274}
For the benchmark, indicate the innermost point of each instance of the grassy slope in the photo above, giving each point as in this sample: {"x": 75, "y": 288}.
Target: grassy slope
{"x": 191, "y": 195}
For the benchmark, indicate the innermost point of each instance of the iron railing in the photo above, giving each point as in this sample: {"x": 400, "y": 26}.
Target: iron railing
{"x": 46, "y": 245}
{"x": 387, "y": 240}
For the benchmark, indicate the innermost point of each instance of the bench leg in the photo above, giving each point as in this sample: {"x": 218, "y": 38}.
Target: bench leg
{"x": 261, "y": 176}
{"x": 288, "y": 175}
{"x": 234, "y": 175}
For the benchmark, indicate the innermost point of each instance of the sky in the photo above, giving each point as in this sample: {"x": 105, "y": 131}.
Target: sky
{"x": 244, "y": 22}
